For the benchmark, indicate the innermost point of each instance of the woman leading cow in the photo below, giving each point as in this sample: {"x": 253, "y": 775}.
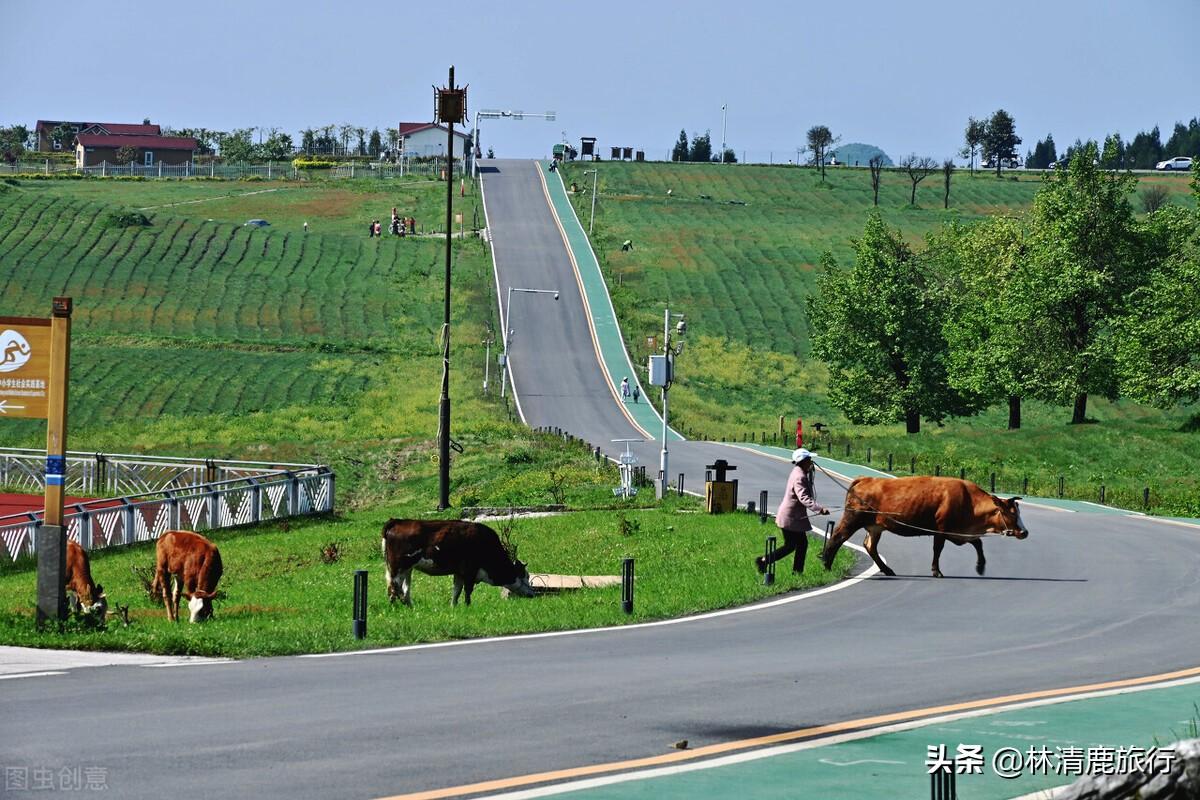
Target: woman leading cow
{"x": 792, "y": 518}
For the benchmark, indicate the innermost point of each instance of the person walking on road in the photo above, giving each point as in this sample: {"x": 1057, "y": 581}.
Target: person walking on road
{"x": 624, "y": 390}
{"x": 636, "y": 393}
{"x": 792, "y": 518}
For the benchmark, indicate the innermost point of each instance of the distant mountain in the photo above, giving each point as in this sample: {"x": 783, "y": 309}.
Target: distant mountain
{"x": 860, "y": 153}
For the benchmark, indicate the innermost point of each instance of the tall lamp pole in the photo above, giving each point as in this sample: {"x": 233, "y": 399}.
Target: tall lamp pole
{"x": 595, "y": 180}
{"x": 508, "y": 331}
{"x": 669, "y": 354}
{"x": 724, "y": 115}
{"x": 451, "y": 107}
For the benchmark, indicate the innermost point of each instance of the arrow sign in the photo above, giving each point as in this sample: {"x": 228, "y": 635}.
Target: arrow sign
{"x": 4, "y": 407}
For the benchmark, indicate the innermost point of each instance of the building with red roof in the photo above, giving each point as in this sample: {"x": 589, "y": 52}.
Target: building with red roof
{"x": 45, "y": 132}
{"x": 92, "y": 149}
{"x": 426, "y": 140}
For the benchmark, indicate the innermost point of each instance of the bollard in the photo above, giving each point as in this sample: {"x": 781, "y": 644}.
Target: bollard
{"x": 937, "y": 470}
{"x": 749, "y": 506}
{"x": 962, "y": 473}
{"x": 941, "y": 784}
{"x": 1102, "y": 494}
{"x": 679, "y": 486}
{"x": 868, "y": 455}
{"x": 762, "y": 506}
{"x": 1146, "y": 497}
{"x": 889, "y": 462}
{"x": 735, "y": 492}
{"x": 627, "y": 585}
{"x": 1061, "y": 485}
{"x": 993, "y": 483}
{"x": 847, "y": 449}
{"x": 912, "y": 466}
{"x": 360, "y": 604}
{"x": 768, "y": 555}
{"x": 1025, "y": 485}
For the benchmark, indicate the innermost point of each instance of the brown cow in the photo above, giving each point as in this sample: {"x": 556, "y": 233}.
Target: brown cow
{"x": 186, "y": 563}
{"x": 948, "y": 509}
{"x": 89, "y": 595}
{"x": 469, "y": 551}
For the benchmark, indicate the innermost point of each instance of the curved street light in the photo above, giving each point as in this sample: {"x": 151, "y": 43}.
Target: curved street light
{"x": 508, "y": 331}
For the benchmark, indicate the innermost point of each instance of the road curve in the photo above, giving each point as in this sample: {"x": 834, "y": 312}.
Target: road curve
{"x": 1086, "y": 598}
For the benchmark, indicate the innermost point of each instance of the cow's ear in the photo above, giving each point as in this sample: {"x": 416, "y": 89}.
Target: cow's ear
{"x": 99, "y": 588}
{"x": 1013, "y": 499}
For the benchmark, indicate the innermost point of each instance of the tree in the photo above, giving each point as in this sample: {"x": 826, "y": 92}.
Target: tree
{"x": 375, "y": 146}
{"x": 1113, "y": 155}
{"x": 729, "y": 157}
{"x": 1155, "y": 197}
{"x": 818, "y": 140}
{"x": 125, "y": 155}
{"x": 1043, "y": 154}
{"x": 277, "y": 147}
{"x": 918, "y": 169}
{"x": 947, "y": 173}
{"x": 63, "y": 135}
{"x": 237, "y": 146}
{"x": 345, "y": 130}
{"x": 1084, "y": 262}
{"x": 880, "y": 334}
{"x": 1000, "y": 138}
{"x": 1158, "y": 341}
{"x": 1145, "y": 150}
{"x": 393, "y": 140}
{"x": 12, "y": 142}
{"x": 680, "y": 152}
{"x": 876, "y": 166}
{"x": 973, "y": 137}
{"x": 701, "y": 148}
{"x": 361, "y": 133}
{"x": 308, "y": 140}
{"x": 987, "y": 327}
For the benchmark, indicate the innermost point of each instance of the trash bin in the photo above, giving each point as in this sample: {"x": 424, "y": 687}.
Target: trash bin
{"x": 720, "y": 495}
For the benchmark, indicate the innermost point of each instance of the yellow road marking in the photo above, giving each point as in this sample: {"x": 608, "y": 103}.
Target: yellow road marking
{"x": 518, "y": 781}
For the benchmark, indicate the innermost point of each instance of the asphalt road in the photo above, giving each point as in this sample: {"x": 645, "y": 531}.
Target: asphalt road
{"x": 1085, "y": 598}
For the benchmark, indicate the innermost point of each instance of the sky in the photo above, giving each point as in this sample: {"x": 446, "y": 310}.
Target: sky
{"x": 901, "y": 75}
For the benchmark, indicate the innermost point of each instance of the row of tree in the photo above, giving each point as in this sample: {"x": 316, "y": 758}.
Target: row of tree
{"x": 1077, "y": 297}
{"x": 994, "y": 138}
{"x": 1143, "y": 152}
{"x": 700, "y": 149}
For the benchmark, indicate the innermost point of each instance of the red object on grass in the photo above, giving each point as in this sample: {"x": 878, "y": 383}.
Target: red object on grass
{"x": 799, "y": 432}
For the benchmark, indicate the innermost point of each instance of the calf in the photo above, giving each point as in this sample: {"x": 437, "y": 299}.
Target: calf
{"x": 89, "y": 595}
{"x": 186, "y": 563}
{"x": 469, "y": 551}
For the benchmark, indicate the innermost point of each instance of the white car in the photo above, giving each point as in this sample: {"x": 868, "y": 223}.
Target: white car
{"x": 1180, "y": 162}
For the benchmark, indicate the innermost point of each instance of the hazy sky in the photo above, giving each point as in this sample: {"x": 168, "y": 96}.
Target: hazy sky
{"x": 902, "y": 75}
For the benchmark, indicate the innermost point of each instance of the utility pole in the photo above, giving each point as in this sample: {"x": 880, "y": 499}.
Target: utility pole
{"x": 724, "y": 110}
{"x": 451, "y": 107}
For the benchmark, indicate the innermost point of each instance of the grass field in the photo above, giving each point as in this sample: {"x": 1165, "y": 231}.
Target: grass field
{"x": 281, "y": 597}
{"x": 736, "y": 249}
{"x": 199, "y": 336}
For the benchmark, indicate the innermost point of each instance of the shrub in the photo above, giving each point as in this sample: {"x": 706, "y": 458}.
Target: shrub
{"x": 125, "y": 219}
{"x": 313, "y": 163}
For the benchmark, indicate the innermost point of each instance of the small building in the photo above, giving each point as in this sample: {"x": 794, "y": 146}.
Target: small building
{"x": 426, "y": 140}
{"x": 91, "y": 149}
{"x": 45, "y": 132}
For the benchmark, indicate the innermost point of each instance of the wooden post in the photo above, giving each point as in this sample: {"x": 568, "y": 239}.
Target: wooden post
{"x": 52, "y": 536}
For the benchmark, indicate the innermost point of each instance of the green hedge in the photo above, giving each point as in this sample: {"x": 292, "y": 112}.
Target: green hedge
{"x": 313, "y": 163}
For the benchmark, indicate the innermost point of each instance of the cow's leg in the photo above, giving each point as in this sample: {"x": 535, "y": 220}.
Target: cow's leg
{"x": 458, "y": 587}
{"x": 939, "y": 542}
{"x": 871, "y": 543}
{"x": 980, "y": 561}
{"x": 406, "y": 587}
{"x": 468, "y": 587}
{"x": 171, "y": 597}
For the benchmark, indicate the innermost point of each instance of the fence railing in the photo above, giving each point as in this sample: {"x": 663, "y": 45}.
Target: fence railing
{"x": 281, "y": 170}
{"x": 148, "y": 495}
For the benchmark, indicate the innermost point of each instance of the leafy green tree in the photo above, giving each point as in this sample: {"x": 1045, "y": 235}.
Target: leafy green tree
{"x": 237, "y": 146}
{"x": 701, "y": 148}
{"x": 1000, "y": 138}
{"x": 277, "y": 147}
{"x": 880, "y": 333}
{"x": 680, "y": 151}
{"x": 1184, "y": 141}
{"x": 63, "y": 135}
{"x": 1083, "y": 263}
{"x": 1113, "y": 155}
{"x": 818, "y": 140}
{"x": 1043, "y": 155}
{"x": 988, "y": 325}
{"x": 947, "y": 175}
{"x": 729, "y": 157}
{"x": 1145, "y": 150}
{"x": 973, "y": 137}
{"x": 375, "y": 146}
{"x": 308, "y": 140}
{"x": 12, "y": 142}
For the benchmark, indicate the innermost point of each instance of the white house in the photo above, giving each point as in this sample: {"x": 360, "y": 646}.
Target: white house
{"x": 426, "y": 140}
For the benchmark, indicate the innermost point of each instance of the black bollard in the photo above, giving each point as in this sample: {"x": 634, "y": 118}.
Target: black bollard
{"x": 889, "y": 462}
{"x": 679, "y": 486}
{"x": 762, "y": 506}
{"x": 749, "y": 506}
{"x": 360, "y": 604}
{"x": 912, "y": 466}
{"x": 768, "y": 553}
{"x": 1025, "y": 485}
{"x": 1146, "y": 497}
{"x": 993, "y": 483}
{"x": 1061, "y": 485}
{"x": 1102, "y": 494}
{"x": 627, "y": 585}
{"x": 937, "y": 470}
{"x": 962, "y": 473}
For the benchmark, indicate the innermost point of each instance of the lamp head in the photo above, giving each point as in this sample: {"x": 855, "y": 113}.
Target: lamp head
{"x": 681, "y": 327}
{"x": 556, "y": 295}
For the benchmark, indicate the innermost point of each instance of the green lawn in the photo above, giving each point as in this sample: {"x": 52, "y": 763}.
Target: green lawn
{"x": 281, "y": 597}
{"x": 735, "y": 247}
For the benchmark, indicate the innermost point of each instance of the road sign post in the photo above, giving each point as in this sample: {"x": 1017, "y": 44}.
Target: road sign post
{"x": 35, "y": 357}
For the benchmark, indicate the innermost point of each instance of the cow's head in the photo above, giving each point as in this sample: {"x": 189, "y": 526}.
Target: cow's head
{"x": 200, "y": 606}
{"x": 94, "y": 605}
{"x": 1006, "y": 518}
{"x": 520, "y": 583}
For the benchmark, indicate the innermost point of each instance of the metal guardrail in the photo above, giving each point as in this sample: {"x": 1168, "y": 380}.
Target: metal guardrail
{"x": 278, "y": 170}
{"x": 176, "y": 493}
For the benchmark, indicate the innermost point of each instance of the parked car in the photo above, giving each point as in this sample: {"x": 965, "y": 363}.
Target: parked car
{"x": 257, "y": 223}
{"x": 1006, "y": 163}
{"x": 1179, "y": 162}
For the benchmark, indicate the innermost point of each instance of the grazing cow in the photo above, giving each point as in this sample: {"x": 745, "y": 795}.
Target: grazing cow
{"x": 948, "y": 509}
{"x": 89, "y": 595}
{"x": 469, "y": 551}
{"x": 186, "y": 563}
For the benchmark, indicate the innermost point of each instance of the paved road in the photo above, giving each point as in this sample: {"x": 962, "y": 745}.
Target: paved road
{"x": 1085, "y": 598}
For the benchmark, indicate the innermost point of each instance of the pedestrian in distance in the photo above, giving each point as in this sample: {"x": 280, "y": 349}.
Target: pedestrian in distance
{"x": 636, "y": 393}
{"x": 378, "y": 229}
{"x": 792, "y": 518}
{"x": 306, "y": 226}
{"x": 371, "y": 229}
{"x": 625, "y": 390}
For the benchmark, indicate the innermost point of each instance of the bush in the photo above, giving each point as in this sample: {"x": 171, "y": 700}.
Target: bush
{"x": 125, "y": 219}
{"x": 313, "y": 163}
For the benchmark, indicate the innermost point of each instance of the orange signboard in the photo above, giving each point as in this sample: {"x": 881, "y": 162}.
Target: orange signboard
{"x": 24, "y": 367}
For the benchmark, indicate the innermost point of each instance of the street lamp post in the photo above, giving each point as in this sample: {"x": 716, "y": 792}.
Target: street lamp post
{"x": 488, "y": 341}
{"x": 508, "y": 331}
{"x": 595, "y": 180}
{"x": 724, "y": 113}
{"x": 667, "y": 378}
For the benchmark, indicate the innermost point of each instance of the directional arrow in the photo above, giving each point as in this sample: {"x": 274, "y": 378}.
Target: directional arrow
{"x": 4, "y": 407}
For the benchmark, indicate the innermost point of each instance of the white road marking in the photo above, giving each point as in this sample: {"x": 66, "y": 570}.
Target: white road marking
{"x": 206, "y": 199}
{"x": 30, "y": 675}
{"x": 833, "y": 763}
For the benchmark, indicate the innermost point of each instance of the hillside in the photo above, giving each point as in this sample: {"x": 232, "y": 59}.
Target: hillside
{"x": 735, "y": 248}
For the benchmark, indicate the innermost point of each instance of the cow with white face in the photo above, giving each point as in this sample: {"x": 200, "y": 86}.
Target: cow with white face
{"x": 87, "y": 596}
{"x": 186, "y": 565}
{"x": 470, "y": 551}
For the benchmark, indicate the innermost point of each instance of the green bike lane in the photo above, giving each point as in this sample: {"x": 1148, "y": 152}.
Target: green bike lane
{"x": 605, "y": 329}
{"x": 1017, "y": 750}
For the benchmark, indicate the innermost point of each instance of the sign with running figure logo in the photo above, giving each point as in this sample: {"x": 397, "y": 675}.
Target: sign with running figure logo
{"x": 24, "y": 367}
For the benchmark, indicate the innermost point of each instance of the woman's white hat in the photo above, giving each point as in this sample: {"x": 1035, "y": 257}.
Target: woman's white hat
{"x": 800, "y": 455}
